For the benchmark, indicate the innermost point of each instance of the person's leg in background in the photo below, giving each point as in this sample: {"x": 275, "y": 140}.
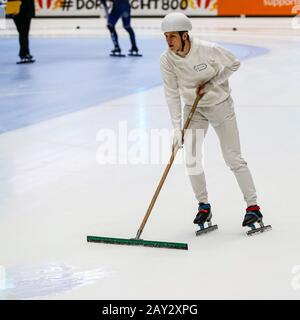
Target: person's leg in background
{"x": 23, "y": 26}
{"x": 111, "y": 23}
{"x": 126, "y": 17}
{"x": 18, "y": 23}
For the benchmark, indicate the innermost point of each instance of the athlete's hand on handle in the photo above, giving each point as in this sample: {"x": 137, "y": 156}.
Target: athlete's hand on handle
{"x": 200, "y": 90}
{"x": 177, "y": 138}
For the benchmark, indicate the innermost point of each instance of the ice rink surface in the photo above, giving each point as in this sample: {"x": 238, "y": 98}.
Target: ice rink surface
{"x": 53, "y": 192}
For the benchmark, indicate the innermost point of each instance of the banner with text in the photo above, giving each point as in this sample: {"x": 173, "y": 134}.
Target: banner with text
{"x": 162, "y": 7}
{"x": 258, "y": 7}
{"x": 138, "y": 7}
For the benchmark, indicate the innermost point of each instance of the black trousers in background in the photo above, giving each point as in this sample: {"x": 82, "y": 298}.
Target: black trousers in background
{"x": 23, "y": 25}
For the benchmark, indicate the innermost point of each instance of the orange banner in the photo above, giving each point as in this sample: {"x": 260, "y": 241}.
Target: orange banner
{"x": 257, "y": 7}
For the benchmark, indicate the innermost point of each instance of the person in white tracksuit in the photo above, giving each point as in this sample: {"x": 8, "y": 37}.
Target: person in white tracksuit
{"x": 189, "y": 67}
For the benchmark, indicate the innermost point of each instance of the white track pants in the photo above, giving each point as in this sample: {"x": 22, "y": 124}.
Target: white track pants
{"x": 222, "y": 118}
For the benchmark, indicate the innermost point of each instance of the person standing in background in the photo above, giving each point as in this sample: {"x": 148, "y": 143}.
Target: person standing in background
{"x": 22, "y": 22}
{"x": 121, "y": 9}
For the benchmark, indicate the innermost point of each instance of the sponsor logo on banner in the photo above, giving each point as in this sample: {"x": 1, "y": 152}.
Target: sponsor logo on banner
{"x": 280, "y": 3}
{"x": 159, "y": 7}
{"x": 72, "y": 7}
{"x": 256, "y": 7}
{"x": 139, "y": 7}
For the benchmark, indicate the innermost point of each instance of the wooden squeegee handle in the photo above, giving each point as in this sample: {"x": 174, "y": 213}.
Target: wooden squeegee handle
{"x": 164, "y": 176}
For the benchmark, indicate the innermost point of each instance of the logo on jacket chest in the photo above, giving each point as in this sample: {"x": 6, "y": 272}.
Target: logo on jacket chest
{"x": 200, "y": 67}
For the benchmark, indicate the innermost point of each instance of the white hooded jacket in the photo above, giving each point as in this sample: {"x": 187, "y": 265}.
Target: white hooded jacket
{"x": 206, "y": 63}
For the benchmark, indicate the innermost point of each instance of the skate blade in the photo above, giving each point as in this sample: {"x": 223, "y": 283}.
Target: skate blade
{"x": 206, "y": 230}
{"x": 259, "y": 230}
{"x": 134, "y": 55}
{"x": 121, "y": 55}
{"x": 25, "y": 62}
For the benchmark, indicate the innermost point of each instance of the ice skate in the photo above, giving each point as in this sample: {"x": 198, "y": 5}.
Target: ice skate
{"x": 116, "y": 52}
{"x": 134, "y": 52}
{"x": 203, "y": 216}
{"x": 253, "y": 215}
{"x": 26, "y": 59}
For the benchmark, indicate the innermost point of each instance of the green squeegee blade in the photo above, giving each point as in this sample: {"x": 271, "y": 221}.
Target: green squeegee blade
{"x": 139, "y": 242}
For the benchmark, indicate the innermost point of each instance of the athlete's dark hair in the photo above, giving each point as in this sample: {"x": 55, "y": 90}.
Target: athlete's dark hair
{"x": 181, "y": 34}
